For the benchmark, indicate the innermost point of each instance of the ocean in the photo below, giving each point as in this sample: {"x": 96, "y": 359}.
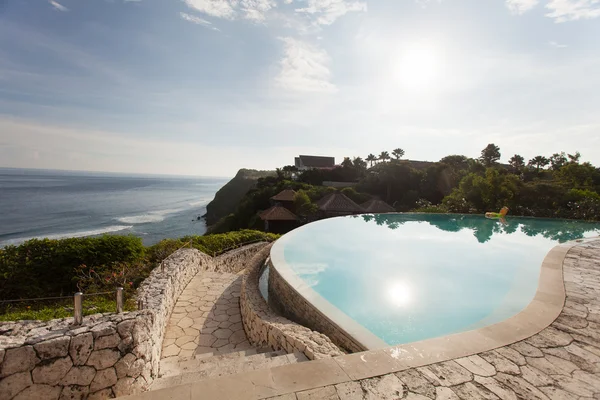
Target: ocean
{"x": 61, "y": 204}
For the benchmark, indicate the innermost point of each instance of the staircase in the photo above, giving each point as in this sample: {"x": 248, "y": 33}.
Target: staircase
{"x": 179, "y": 371}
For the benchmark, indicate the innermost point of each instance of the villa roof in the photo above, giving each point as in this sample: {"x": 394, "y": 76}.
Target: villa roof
{"x": 277, "y": 213}
{"x": 377, "y": 206}
{"x": 317, "y": 161}
{"x": 285, "y": 195}
{"x": 338, "y": 202}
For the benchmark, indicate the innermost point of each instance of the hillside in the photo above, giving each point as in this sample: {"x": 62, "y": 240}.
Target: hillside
{"x": 228, "y": 197}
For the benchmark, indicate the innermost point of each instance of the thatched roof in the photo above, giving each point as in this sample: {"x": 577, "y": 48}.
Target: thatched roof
{"x": 339, "y": 202}
{"x": 285, "y": 195}
{"x": 277, "y": 213}
{"x": 377, "y": 206}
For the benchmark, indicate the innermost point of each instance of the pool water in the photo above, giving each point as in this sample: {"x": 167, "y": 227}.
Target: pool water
{"x": 410, "y": 277}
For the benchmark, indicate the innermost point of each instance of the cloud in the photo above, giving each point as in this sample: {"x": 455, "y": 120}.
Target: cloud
{"x": 253, "y": 10}
{"x": 572, "y": 10}
{"x": 304, "y": 68}
{"x": 557, "y": 45}
{"x": 58, "y": 6}
{"x": 197, "y": 20}
{"x": 327, "y": 11}
{"x": 520, "y": 7}
{"x": 214, "y": 8}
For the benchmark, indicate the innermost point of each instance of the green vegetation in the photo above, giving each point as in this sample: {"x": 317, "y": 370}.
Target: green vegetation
{"x": 50, "y": 268}
{"x": 227, "y": 198}
{"x": 558, "y": 186}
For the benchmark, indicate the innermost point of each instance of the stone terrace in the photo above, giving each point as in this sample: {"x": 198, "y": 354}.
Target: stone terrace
{"x": 561, "y": 362}
{"x": 206, "y": 318}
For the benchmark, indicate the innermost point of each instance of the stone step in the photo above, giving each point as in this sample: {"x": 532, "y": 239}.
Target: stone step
{"x": 225, "y": 367}
{"x": 175, "y": 363}
{"x": 177, "y": 367}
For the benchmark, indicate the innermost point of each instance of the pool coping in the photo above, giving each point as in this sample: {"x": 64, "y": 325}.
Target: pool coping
{"x": 380, "y": 358}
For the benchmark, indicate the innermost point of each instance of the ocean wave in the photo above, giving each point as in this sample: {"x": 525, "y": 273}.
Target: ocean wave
{"x": 199, "y": 203}
{"x": 141, "y": 219}
{"x": 76, "y": 234}
{"x": 149, "y": 217}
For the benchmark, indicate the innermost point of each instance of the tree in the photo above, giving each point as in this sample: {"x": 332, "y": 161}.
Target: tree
{"x": 558, "y": 160}
{"x": 398, "y": 153}
{"x": 490, "y": 155}
{"x": 289, "y": 170}
{"x": 359, "y": 164}
{"x": 347, "y": 163}
{"x": 517, "y": 162}
{"x": 371, "y": 158}
{"x": 384, "y": 156}
{"x": 574, "y": 158}
{"x": 538, "y": 162}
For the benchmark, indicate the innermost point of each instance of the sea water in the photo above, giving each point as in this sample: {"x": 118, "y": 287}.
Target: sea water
{"x": 61, "y": 204}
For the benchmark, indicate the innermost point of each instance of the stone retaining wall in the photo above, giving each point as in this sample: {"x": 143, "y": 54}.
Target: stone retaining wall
{"x": 235, "y": 260}
{"x": 265, "y": 328}
{"x": 289, "y": 303}
{"x": 108, "y": 355}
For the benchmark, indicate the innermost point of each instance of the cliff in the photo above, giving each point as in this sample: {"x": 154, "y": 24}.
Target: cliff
{"x": 228, "y": 197}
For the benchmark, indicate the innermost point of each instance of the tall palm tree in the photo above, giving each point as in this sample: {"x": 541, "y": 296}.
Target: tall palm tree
{"x": 384, "y": 156}
{"x": 371, "y": 158}
{"x": 398, "y": 153}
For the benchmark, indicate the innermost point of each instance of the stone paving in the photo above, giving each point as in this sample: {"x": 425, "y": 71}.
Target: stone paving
{"x": 206, "y": 318}
{"x": 562, "y": 362}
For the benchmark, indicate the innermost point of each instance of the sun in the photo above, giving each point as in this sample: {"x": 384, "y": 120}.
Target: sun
{"x": 417, "y": 67}
{"x": 399, "y": 293}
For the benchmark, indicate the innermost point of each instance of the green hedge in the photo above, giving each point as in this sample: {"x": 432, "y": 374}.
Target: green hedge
{"x": 210, "y": 244}
{"x": 43, "y": 268}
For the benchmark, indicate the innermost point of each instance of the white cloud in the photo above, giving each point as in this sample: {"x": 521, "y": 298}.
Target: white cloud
{"x": 288, "y": 1}
{"x": 58, "y": 6}
{"x": 572, "y": 10}
{"x": 557, "y": 45}
{"x": 197, "y": 20}
{"x": 304, "y": 68}
{"x": 327, "y": 11}
{"x": 520, "y": 7}
{"x": 255, "y": 10}
{"x": 214, "y": 8}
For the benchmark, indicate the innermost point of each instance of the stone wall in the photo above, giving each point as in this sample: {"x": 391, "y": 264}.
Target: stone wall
{"x": 289, "y": 303}
{"x": 235, "y": 260}
{"x": 265, "y": 328}
{"x": 108, "y": 355}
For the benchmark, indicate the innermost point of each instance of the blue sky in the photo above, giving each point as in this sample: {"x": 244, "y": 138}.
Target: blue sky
{"x": 206, "y": 87}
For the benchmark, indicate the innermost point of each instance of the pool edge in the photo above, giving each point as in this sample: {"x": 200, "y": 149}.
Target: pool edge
{"x": 542, "y": 311}
{"x": 546, "y": 306}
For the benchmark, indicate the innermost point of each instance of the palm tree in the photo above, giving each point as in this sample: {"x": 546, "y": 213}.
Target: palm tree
{"x": 538, "y": 162}
{"x": 384, "y": 156}
{"x": 371, "y": 158}
{"x": 398, "y": 153}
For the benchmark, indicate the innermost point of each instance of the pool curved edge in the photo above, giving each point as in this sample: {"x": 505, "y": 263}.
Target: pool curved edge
{"x": 380, "y": 358}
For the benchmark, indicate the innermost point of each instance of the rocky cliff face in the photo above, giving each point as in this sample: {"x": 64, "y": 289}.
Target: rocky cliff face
{"x": 228, "y": 197}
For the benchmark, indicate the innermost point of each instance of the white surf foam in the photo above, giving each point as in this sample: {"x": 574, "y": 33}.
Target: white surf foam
{"x": 152, "y": 216}
{"x": 141, "y": 219}
{"x": 76, "y": 234}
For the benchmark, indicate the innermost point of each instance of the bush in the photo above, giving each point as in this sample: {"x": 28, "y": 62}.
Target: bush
{"x": 40, "y": 268}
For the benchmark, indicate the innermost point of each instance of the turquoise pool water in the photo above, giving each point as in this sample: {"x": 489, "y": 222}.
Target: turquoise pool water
{"x": 410, "y": 277}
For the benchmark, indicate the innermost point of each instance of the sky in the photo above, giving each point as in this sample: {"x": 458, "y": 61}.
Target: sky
{"x": 205, "y": 87}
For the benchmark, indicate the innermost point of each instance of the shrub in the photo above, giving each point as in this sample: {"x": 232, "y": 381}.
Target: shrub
{"x": 40, "y": 268}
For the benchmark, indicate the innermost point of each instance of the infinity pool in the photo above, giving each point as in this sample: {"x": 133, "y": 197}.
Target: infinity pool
{"x": 410, "y": 277}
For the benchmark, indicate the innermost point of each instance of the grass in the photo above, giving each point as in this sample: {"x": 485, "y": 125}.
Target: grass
{"x": 62, "y": 309}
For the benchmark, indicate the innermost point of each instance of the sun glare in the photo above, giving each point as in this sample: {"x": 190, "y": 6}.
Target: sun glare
{"x": 417, "y": 67}
{"x": 399, "y": 294}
